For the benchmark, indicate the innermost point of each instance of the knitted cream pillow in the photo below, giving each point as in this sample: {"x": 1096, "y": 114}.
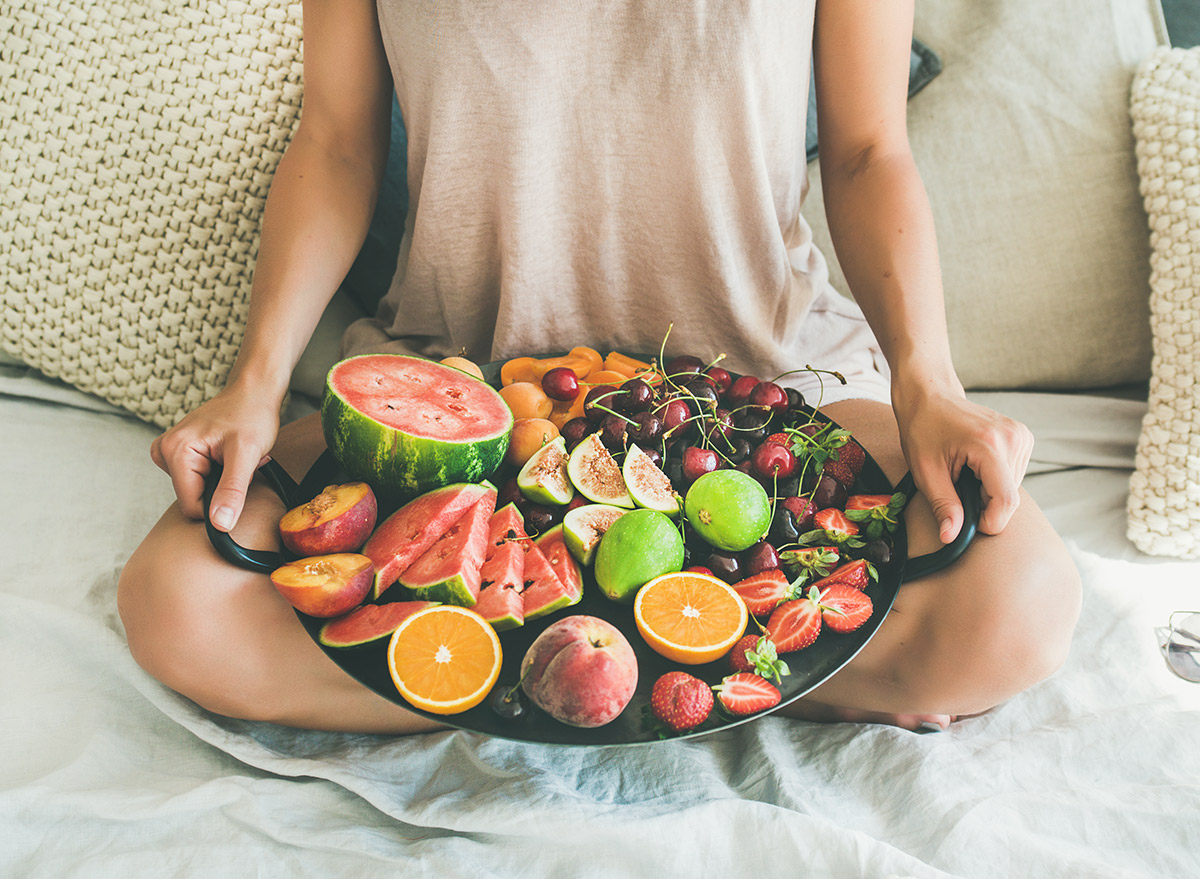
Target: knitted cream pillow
{"x": 1164, "y": 497}
{"x": 137, "y": 142}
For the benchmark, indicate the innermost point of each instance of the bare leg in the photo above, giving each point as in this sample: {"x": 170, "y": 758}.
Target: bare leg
{"x": 225, "y": 638}
{"x": 963, "y": 640}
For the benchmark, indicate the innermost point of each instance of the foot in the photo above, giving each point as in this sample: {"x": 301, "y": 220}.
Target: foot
{"x": 816, "y": 711}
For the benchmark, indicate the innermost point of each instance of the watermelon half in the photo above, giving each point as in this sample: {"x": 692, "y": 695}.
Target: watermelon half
{"x": 406, "y": 425}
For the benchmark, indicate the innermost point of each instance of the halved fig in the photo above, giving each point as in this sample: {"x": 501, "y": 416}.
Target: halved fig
{"x": 647, "y": 484}
{"x": 595, "y": 473}
{"x": 544, "y": 479}
{"x": 584, "y": 526}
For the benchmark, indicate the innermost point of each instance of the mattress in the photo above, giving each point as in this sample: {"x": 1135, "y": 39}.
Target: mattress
{"x": 1092, "y": 773}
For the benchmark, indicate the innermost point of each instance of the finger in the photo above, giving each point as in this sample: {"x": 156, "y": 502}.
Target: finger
{"x": 156, "y": 454}
{"x": 229, "y": 497}
{"x": 937, "y": 484}
{"x": 187, "y": 468}
{"x": 1001, "y": 497}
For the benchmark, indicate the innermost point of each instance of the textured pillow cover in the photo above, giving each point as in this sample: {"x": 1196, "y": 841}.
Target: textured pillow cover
{"x": 137, "y": 144}
{"x": 1164, "y": 491}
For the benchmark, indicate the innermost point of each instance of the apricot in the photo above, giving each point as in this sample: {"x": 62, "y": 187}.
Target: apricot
{"x": 528, "y": 435}
{"x": 519, "y": 369}
{"x": 527, "y": 400}
{"x": 468, "y": 366}
{"x": 339, "y": 519}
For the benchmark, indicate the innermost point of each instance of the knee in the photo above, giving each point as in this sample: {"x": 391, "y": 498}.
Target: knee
{"x": 1011, "y": 629}
{"x": 179, "y": 631}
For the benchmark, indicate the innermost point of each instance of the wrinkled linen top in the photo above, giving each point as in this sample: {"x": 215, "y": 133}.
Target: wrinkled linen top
{"x": 589, "y": 173}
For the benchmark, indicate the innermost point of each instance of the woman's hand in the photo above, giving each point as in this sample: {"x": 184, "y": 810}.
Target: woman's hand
{"x": 941, "y": 432}
{"x": 235, "y": 429}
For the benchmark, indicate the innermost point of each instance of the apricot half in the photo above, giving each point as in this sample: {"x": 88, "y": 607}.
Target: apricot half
{"x": 326, "y": 585}
{"x": 339, "y": 519}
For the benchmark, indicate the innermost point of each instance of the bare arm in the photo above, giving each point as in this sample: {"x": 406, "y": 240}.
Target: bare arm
{"x": 316, "y": 217}
{"x": 882, "y": 230}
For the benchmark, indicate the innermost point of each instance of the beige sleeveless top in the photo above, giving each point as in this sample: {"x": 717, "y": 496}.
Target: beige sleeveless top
{"x": 589, "y": 173}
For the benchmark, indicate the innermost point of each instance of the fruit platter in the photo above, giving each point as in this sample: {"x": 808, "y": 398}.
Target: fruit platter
{"x": 586, "y": 549}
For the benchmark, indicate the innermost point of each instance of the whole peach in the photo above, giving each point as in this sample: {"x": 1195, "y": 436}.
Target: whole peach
{"x": 580, "y": 670}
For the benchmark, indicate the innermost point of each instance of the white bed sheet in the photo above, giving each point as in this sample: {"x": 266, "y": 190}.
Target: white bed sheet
{"x": 1094, "y": 773}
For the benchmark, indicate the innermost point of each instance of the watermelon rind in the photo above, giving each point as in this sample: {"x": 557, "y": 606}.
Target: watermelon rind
{"x": 449, "y": 570}
{"x": 369, "y": 623}
{"x": 400, "y": 464}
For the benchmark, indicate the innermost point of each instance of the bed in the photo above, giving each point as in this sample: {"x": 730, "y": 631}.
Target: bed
{"x": 1093, "y": 773}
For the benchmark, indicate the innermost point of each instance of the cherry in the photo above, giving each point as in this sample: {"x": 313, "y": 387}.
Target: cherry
{"x": 684, "y": 364}
{"x": 725, "y": 565}
{"x": 829, "y": 493}
{"x": 506, "y": 701}
{"x": 636, "y": 396}
{"x": 720, "y": 378}
{"x": 675, "y": 414}
{"x": 770, "y": 396}
{"x": 802, "y": 510}
{"x": 539, "y": 519}
{"x": 577, "y": 501}
{"x": 752, "y": 424}
{"x": 698, "y": 461}
{"x": 510, "y": 493}
{"x": 561, "y": 384}
{"x": 600, "y": 395}
{"x": 647, "y": 431}
{"x": 758, "y": 558}
{"x": 612, "y": 432}
{"x": 720, "y": 425}
{"x": 699, "y": 569}
{"x": 877, "y": 552}
{"x": 795, "y": 399}
{"x": 783, "y": 527}
{"x": 700, "y": 396}
{"x": 575, "y": 430}
{"x": 773, "y": 461}
{"x": 653, "y": 454}
{"x": 739, "y": 449}
{"x": 739, "y": 392}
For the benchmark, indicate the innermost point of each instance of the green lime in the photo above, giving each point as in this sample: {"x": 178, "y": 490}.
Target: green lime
{"x": 729, "y": 509}
{"x": 636, "y": 548}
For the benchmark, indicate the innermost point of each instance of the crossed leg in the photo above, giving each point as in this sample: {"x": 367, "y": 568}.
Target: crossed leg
{"x": 957, "y": 642}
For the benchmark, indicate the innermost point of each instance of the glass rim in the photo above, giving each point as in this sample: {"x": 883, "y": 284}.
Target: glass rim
{"x": 1180, "y": 645}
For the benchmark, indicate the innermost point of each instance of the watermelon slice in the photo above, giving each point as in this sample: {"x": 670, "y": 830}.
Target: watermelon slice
{"x": 544, "y": 592}
{"x": 410, "y": 531}
{"x": 449, "y": 570}
{"x": 407, "y": 425}
{"x": 369, "y": 623}
{"x": 507, "y": 523}
{"x": 554, "y": 547}
{"x": 503, "y": 579}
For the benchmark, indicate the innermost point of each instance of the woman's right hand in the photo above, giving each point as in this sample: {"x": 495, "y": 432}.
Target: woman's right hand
{"x": 235, "y": 429}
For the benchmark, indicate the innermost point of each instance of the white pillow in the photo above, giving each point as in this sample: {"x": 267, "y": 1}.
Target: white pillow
{"x": 1024, "y": 145}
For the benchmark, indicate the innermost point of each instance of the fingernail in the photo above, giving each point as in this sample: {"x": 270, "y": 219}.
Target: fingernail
{"x": 222, "y": 517}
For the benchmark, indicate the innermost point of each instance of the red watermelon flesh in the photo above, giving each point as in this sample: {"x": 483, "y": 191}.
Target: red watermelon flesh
{"x": 554, "y": 547}
{"x": 369, "y": 623}
{"x": 410, "y": 531}
{"x": 449, "y": 570}
{"x": 507, "y": 523}
{"x": 544, "y": 592}
{"x": 502, "y": 578}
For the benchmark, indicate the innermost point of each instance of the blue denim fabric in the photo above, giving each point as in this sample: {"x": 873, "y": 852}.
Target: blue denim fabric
{"x": 371, "y": 274}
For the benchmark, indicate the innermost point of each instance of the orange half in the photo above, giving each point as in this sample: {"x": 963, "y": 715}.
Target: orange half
{"x": 444, "y": 659}
{"x": 689, "y": 618}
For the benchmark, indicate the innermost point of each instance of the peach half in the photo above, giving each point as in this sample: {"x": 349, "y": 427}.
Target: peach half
{"x": 325, "y": 585}
{"x": 339, "y": 519}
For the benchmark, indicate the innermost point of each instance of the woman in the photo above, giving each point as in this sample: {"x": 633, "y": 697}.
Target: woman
{"x": 586, "y": 175}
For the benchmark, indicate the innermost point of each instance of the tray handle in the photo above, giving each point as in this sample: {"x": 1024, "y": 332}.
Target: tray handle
{"x": 968, "y": 487}
{"x": 263, "y": 561}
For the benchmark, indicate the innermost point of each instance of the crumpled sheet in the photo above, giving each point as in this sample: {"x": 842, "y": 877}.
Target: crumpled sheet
{"x": 1093, "y": 773}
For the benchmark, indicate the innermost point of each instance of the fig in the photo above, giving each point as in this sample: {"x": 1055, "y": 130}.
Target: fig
{"x": 584, "y": 526}
{"x": 593, "y": 470}
{"x": 544, "y": 478}
{"x": 647, "y": 484}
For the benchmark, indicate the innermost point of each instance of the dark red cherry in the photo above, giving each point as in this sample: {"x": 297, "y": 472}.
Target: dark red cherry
{"x": 636, "y": 396}
{"x": 698, "y": 461}
{"x": 684, "y": 364}
{"x": 598, "y": 399}
{"x": 739, "y": 392}
{"x": 720, "y": 377}
{"x": 647, "y": 430}
{"x": 758, "y": 558}
{"x": 772, "y": 461}
{"x": 770, "y": 396}
{"x": 575, "y": 430}
{"x": 561, "y": 384}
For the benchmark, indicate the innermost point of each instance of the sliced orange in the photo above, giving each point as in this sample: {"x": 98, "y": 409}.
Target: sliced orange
{"x": 689, "y": 618}
{"x": 444, "y": 659}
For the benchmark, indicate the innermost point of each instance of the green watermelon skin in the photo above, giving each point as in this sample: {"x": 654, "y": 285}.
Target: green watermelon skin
{"x": 409, "y": 532}
{"x": 406, "y": 425}
{"x": 449, "y": 570}
{"x": 371, "y": 622}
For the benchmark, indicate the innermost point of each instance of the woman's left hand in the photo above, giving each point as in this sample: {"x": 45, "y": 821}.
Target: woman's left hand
{"x": 941, "y": 432}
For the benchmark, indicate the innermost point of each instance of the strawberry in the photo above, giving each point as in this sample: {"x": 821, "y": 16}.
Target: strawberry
{"x": 681, "y": 701}
{"x": 875, "y": 513}
{"x": 845, "y": 461}
{"x": 810, "y": 562}
{"x": 756, "y": 654}
{"x": 781, "y": 439}
{"x": 834, "y": 522}
{"x": 795, "y": 624}
{"x": 763, "y": 592}
{"x": 744, "y": 693}
{"x": 857, "y": 575}
{"x": 844, "y": 608}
